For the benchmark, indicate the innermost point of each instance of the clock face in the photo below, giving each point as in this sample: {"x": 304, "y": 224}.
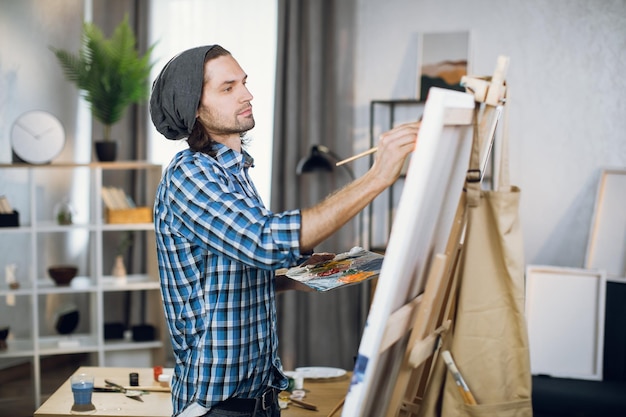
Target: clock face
{"x": 37, "y": 137}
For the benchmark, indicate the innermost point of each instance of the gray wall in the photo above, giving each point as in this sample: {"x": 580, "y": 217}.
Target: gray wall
{"x": 567, "y": 114}
{"x": 30, "y": 77}
{"x": 566, "y": 89}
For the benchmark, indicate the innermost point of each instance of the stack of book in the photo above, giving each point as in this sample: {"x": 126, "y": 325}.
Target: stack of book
{"x": 120, "y": 207}
{"x": 116, "y": 199}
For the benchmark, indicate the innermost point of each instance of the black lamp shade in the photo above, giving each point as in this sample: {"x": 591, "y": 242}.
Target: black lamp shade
{"x": 318, "y": 160}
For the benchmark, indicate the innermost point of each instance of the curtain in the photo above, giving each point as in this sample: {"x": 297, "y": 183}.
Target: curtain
{"x": 130, "y": 133}
{"x": 313, "y": 105}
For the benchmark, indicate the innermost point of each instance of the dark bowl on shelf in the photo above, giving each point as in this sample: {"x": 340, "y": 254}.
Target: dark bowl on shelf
{"x": 62, "y": 274}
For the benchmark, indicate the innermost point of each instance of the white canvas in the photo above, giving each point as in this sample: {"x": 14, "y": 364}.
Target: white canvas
{"x": 565, "y": 316}
{"x": 421, "y": 229}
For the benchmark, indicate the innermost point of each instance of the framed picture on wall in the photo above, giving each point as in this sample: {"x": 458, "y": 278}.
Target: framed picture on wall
{"x": 443, "y": 58}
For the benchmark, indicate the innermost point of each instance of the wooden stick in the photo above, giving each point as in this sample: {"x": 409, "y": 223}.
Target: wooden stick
{"x": 357, "y": 156}
{"x": 306, "y": 406}
{"x": 337, "y": 407}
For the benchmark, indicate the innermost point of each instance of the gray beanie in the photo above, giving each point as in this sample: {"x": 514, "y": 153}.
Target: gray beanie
{"x": 176, "y": 93}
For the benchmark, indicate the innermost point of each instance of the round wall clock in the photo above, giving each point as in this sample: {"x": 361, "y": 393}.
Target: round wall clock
{"x": 37, "y": 137}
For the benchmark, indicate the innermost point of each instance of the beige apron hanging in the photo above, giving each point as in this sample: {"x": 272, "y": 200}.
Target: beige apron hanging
{"x": 489, "y": 341}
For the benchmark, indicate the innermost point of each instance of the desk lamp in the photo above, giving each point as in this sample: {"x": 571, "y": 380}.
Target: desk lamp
{"x": 321, "y": 158}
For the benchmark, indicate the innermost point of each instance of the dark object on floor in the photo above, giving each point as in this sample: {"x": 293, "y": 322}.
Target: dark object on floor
{"x": 554, "y": 397}
{"x": 577, "y": 397}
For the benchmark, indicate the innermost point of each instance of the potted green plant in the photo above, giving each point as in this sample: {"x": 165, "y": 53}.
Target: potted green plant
{"x": 111, "y": 74}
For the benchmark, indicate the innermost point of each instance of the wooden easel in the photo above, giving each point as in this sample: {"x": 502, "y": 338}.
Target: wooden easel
{"x": 431, "y": 313}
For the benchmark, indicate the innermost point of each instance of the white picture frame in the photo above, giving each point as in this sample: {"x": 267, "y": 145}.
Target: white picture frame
{"x": 565, "y": 309}
{"x": 606, "y": 248}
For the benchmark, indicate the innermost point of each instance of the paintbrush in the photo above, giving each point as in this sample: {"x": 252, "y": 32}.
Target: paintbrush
{"x": 304, "y": 405}
{"x": 357, "y": 156}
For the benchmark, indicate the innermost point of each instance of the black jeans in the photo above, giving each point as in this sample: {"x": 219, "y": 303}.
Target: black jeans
{"x": 273, "y": 411}
{"x": 225, "y": 411}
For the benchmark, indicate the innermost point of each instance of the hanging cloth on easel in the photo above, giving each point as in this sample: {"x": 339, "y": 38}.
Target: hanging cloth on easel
{"x": 489, "y": 341}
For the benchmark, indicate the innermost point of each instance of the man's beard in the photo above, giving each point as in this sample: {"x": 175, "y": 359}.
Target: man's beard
{"x": 218, "y": 126}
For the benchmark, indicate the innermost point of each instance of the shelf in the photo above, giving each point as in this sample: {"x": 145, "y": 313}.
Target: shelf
{"x": 116, "y": 345}
{"x": 89, "y": 243}
{"x": 59, "y": 345}
{"x": 106, "y": 227}
{"x": 19, "y": 229}
{"x": 21, "y": 291}
{"x": 50, "y": 226}
{"x": 117, "y": 165}
{"x": 133, "y": 282}
{"x": 18, "y": 348}
{"x": 384, "y": 115}
{"x": 47, "y": 286}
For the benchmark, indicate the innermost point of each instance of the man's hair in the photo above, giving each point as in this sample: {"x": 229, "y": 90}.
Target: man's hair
{"x": 199, "y": 139}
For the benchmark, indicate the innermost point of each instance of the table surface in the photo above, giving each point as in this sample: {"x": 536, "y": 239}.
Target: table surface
{"x": 326, "y": 394}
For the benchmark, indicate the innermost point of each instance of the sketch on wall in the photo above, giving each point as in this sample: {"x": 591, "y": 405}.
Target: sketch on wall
{"x": 443, "y": 60}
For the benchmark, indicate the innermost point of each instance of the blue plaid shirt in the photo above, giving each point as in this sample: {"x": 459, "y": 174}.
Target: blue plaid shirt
{"x": 217, "y": 248}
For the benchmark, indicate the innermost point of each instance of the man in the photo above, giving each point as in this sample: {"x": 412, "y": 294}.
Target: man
{"x": 218, "y": 245}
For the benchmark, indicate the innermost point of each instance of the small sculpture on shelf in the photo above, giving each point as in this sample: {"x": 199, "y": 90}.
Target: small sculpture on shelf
{"x": 119, "y": 268}
{"x": 9, "y": 272}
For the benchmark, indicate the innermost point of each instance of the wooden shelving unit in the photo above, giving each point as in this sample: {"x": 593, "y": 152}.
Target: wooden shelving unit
{"x": 88, "y": 242}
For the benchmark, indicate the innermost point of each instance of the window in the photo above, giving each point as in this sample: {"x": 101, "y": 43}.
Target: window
{"x": 247, "y": 28}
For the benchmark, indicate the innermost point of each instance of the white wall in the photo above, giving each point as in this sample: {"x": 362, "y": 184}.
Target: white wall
{"x": 31, "y": 77}
{"x": 567, "y": 111}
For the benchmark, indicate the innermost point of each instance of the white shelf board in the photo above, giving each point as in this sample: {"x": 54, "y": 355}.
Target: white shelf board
{"x": 133, "y": 283}
{"x": 58, "y": 345}
{"x": 17, "y": 348}
{"x": 115, "y": 345}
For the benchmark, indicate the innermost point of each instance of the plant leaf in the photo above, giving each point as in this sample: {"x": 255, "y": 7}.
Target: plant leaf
{"x": 110, "y": 72}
